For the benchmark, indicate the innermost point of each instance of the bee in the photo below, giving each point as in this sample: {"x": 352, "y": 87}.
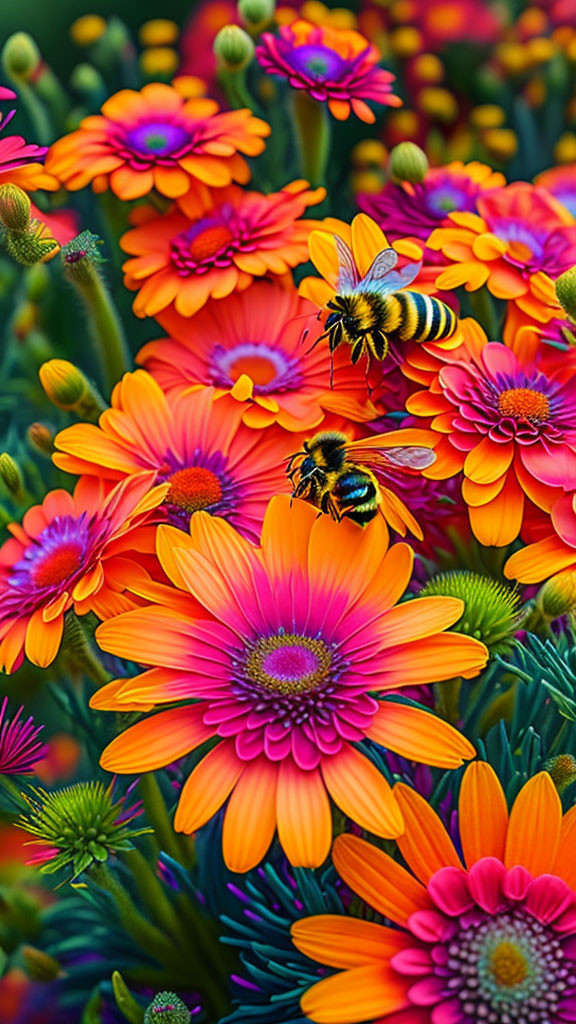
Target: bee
{"x": 369, "y": 312}
{"x": 347, "y": 478}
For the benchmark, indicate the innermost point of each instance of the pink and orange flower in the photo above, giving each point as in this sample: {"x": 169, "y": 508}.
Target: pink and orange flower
{"x": 553, "y": 551}
{"x": 519, "y": 234}
{"x": 561, "y": 183}
{"x": 21, "y": 162}
{"x": 484, "y": 930}
{"x": 266, "y": 363}
{"x": 510, "y": 428}
{"x": 287, "y": 672}
{"x": 61, "y": 557}
{"x": 157, "y": 139}
{"x": 336, "y": 66}
{"x": 194, "y": 444}
{"x": 214, "y": 243}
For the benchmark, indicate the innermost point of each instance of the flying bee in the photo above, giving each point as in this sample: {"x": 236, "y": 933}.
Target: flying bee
{"x": 369, "y": 312}
{"x": 347, "y": 478}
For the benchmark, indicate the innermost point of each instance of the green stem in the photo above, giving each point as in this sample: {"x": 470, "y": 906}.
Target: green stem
{"x": 78, "y": 650}
{"x": 155, "y": 807}
{"x": 234, "y": 85}
{"x": 105, "y": 324}
{"x": 448, "y": 699}
{"x": 484, "y": 309}
{"x": 42, "y": 129}
{"x": 313, "y": 134}
{"x": 154, "y": 896}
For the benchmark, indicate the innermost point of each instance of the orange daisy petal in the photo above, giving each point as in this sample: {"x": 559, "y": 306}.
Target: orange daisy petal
{"x": 250, "y": 819}
{"x": 422, "y": 617}
{"x": 425, "y": 843}
{"x": 537, "y": 562}
{"x": 346, "y": 941}
{"x": 431, "y": 660}
{"x": 498, "y": 522}
{"x": 209, "y": 785}
{"x": 488, "y": 461}
{"x": 368, "y": 240}
{"x": 565, "y": 865}
{"x": 419, "y": 736}
{"x": 157, "y": 741}
{"x": 362, "y": 793}
{"x": 304, "y": 818}
{"x": 43, "y": 639}
{"x": 378, "y": 879}
{"x": 359, "y": 994}
{"x": 534, "y": 828}
{"x": 482, "y": 814}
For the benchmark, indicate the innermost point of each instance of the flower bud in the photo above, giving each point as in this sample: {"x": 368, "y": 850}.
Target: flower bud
{"x": 35, "y": 245}
{"x": 14, "y": 208}
{"x": 20, "y": 56}
{"x": 501, "y": 143}
{"x": 88, "y": 29}
{"x": 159, "y": 60}
{"x": 167, "y": 1008}
{"x": 256, "y": 14}
{"x": 11, "y": 475}
{"x": 39, "y": 966}
{"x": 233, "y": 48}
{"x": 408, "y": 163}
{"x": 158, "y": 32}
{"x": 87, "y": 80}
{"x": 562, "y": 770}
{"x": 557, "y": 596}
{"x": 41, "y": 437}
{"x": 63, "y": 383}
{"x": 81, "y": 256}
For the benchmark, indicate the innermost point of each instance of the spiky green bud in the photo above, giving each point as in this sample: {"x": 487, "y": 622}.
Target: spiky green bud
{"x": 81, "y": 257}
{"x": 34, "y": 245}
{"x": 408, "y": 162}
{"x": 233, "y": 48}
{"x": 14, "y": 208}
{"x": 562, "y": 770}
{"x": 167, "y": 1008}
{"x": 492, "y": 611}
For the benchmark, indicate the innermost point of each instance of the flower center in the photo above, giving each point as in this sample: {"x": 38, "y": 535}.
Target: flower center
{"x": 524, "y": 404}
{"x": 318, "y": 62}
{"x": 159, "y": 137}
{"x": 194, "y": 488}
{"x": 57, "y": 566}
{"x": 507, "y": 964}
{"x": 289, "y": 663}
{"x": 270, "y": 369}
{"x": 209, "y": 242}
{"x": 259, "y": 368}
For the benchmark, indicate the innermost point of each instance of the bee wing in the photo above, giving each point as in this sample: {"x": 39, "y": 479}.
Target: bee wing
{"x": 394, "y": 280}
{"x": 379, "y": 458}
{"x": 348, "y": 276}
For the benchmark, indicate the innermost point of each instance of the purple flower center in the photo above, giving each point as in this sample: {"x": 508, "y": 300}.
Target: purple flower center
{"x": 318, "y": 62}
{"x": 158, "y": 137}
{"x": 268, "y": 368}
{"x": 289, "y": 663}
{"x": 507, "y": 968}
{"x": 443, "y": 199}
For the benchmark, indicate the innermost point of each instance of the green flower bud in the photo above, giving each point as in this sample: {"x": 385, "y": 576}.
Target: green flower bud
{"x": 87, "y": 80}
{"x": 492, "y": 612}
{"x": 41, "y": 437}
{"x": 64, "y": 384}
{"x": 11, "y": 475}
{"x": 408, "y": 163}
{"x": 256, "y": 14}
{"x": 233, "y": 48}
{"x": 14, "y": 208}
{"x": 562, "y": 770}
{"x": 81, "y": 256}
{"x": 565, "y": 286}
{"x": 167, "y": 1008}
{"x": 39, "y": 966}
{"x": 20, "y": 56}
{"x": 557, "y": 596}
{"x": 35, "y": 245}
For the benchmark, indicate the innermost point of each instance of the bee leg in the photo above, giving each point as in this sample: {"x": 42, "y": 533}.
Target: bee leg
{"x": 318, "y": 340}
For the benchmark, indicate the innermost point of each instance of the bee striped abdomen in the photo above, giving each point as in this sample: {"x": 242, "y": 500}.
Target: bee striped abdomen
{"x": 356, "y": 492}
{"x": 424, "y": 318}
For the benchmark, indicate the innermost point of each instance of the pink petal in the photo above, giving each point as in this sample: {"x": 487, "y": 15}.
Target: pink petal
{"x": 558, "y": 470}
{"x": 412, "y": 961}
{"x": 564, "y": 519}
{"x": 430, "y": 925}
{"x": 516, "y": 882}
{"x": 449, "y": 890}
{"x": 305, "y": 753}
{"x": 448, "y": 1013}
{"x": 548, "y": 897}
{"x": 427, "y": 992}
{"x": 485, "y": 882}
{"x": 498, "y": 358}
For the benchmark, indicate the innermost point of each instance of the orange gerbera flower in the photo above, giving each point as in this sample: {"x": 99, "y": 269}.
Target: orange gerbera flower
{"x": 485, "y": 932}
{"x": 215, "y": 243}
{"x": 196, "y": 445}
{"x": 60, "y": 558}
{"x": 555, "y": 549}
{"x": 288, "y": 673}
{"x": 266, "y": 363}
{"x": 520, "y": 235}
{"x": 157, "y": 139}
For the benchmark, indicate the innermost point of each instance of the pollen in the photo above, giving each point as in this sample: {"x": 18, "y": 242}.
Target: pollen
{"x": 524, "y": 404}
{"x": 58, "y": 566}
{"x": 193, "y": 489}
{"x": 210, "y": 242}
{"x": 508, "y": 965}
{"x": 289, "y": 663}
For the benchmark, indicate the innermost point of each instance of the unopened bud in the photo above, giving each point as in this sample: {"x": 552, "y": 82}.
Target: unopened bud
{"x": 88, "y": 29}
{"x": 41, "y": 437}
{"x": 20, "y": 56}
{"x": 14, "y": 208}
{"x": 11, "y": 475}
{"x": 87, "y": 80}
{"x": 562, "y": 770}
{"x": 167, "y": 1008}
{"x": 408, "y": 163}
{"x": 565, "y": 286}
{"x": 39, "y": 966}
{"x": 35, "y": 245}
{"x": 557, "y": 596}
{"x": 256, "y": 14}
{"x": 159, "y": 32}
{"x": 69, "y": 389}
{"x": 233, "y": 48}
{"x": 81, "y": 255}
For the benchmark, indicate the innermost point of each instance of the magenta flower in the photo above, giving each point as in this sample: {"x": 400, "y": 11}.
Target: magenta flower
{"x": 20, "y": 748}
{"x": 334, "y": 66}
